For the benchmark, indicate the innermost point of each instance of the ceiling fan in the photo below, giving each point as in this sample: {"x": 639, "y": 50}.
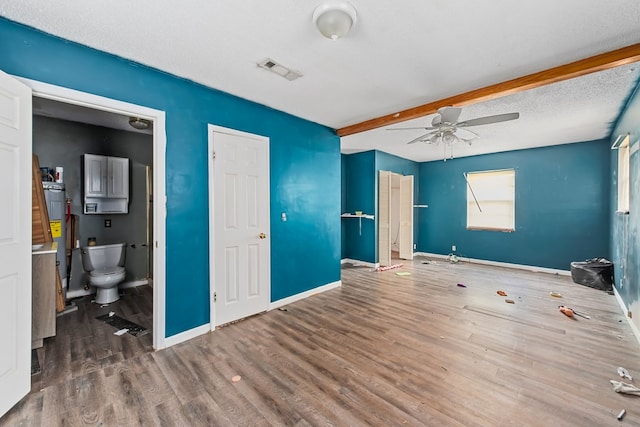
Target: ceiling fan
{"x": 445, "y": 125}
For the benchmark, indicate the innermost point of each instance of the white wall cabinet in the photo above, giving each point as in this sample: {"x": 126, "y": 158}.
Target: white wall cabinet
{"x": 106, "y": 184}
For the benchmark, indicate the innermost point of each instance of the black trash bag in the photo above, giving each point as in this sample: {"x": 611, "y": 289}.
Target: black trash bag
{"x": 595, "y": 273}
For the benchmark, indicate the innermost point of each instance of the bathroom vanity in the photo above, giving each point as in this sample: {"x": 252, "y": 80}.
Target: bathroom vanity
{"x": 43, "y": 282}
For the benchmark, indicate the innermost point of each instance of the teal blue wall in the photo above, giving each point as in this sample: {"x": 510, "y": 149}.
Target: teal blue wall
{"x": 562, "y": 206}
{"x": 360, "y": 186}
{"x": 304, "y": 166}
{"x": 360, "y": 193}
{"x": 625, "y": 236}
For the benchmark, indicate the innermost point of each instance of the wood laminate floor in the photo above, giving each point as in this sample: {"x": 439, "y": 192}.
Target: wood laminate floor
{"x": 384, "y": 350}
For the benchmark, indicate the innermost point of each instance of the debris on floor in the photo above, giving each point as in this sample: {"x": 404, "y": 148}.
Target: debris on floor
{"x": 566, "y": 311}
{"x": 283, "y": 309}
{"x": 624, "y": 373}
{"x": 388, "y": 267}
{"x": 509, "y": 301}
{"x": 460, "y": 285}
{"x": 403, "y": 273}
{"x": 555, "y": 294}
{"x": 120, "y": 323}
{"x": 121, "y": 332}
{"x": 584, "y": 316}
{"x": 621, "y": 414}
{"x": 564, "y": 308}
{"x": 620, "y": 387}
{"x": 502, "y": 293}
{"x": 236, "y": 378}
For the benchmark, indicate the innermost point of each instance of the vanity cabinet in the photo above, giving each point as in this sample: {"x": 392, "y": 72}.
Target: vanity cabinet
{"x": 106, "y": 184}
{"x": 43, "y": 297}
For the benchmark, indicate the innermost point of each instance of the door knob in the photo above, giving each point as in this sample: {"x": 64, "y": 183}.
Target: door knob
{"x": 262, "y": 236}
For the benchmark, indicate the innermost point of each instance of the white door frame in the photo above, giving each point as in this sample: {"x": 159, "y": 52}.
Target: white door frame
{"x": 70, "y": 96}
{"x": 212, "y": 256}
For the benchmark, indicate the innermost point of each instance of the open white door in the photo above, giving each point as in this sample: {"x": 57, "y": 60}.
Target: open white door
{"x": 406, "y": 217}
{"x": 15, "y": 241}
{"x": 239, "y": 222}
{"x": 384, "y": 218}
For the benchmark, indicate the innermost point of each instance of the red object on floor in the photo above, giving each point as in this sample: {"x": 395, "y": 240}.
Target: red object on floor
{"x": 389, "y": 267}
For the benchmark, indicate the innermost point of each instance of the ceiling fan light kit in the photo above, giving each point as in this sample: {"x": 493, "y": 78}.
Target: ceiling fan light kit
{"x": 445, "y": 125}
{"x": 334, "y": 19}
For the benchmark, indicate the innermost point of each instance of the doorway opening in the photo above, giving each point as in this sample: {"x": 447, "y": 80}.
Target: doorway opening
{"x": 395, "y": 217}
{"x": 69, "y": 124}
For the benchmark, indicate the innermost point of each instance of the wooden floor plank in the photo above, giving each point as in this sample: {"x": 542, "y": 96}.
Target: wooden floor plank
{"x": 380, "y": 350}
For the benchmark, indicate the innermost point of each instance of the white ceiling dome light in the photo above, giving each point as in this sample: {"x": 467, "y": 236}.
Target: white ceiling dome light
{"x": 334, "y": 19}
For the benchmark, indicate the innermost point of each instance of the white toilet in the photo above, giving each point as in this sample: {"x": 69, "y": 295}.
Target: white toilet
{"x": 105, "y": 267}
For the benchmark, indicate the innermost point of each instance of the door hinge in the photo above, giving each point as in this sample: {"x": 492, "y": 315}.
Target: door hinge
{"x": 213, "y": 155}
{"x": 215, "y": 297}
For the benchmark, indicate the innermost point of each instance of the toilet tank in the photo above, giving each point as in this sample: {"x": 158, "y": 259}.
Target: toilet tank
{"x": 103, "y": 256}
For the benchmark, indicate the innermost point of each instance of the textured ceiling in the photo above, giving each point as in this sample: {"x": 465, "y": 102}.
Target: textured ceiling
{"x": 399, "y": 55}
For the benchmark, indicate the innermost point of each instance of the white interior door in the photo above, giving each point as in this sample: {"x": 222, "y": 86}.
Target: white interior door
{"x": 406, "y": 217}
{"x": 384, "y": 218}
{"x": 239, "y": 211}
{"x": 15, "y": 241}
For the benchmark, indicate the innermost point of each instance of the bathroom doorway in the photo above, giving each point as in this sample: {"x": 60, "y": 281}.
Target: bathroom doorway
{"x": 65, "y": 108}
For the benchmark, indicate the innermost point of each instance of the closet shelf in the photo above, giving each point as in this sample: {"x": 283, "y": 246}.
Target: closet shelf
{"x": 350, "y": 215}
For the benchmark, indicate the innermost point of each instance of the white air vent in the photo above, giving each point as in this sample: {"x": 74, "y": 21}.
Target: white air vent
{"x": 281, "y": 70}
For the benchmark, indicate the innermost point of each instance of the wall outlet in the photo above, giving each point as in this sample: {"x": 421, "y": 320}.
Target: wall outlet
{"x": 415, "y": 246}
{"x": 107, "y": 223}
{"x": 453, "y": 248}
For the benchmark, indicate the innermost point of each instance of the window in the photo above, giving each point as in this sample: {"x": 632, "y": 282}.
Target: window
{"x": 491, "y": 200}
{"x": 623, "y": 175}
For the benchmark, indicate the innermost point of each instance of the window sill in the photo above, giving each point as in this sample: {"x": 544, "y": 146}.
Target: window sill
{"x": 504, "y": 230}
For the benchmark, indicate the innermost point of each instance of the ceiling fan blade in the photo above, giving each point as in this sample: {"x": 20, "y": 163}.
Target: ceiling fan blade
{"x": 448, "y": 114}
{"x": 421, "y": 128}
{"x": 489, "y": 119}
{"x": 420, "y": 138}
{"x": 469, "y": 131}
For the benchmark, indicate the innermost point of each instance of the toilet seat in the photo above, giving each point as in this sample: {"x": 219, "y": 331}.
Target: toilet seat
{"x": 101, "y": 272}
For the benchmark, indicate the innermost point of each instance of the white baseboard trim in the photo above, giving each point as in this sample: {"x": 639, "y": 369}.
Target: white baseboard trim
{"x": 533, "y": 268}
{"x": 80, "y": 293}
{"x": 359, "y": 263}
{"x": 625, "y": 310}
{"x": 124, "y": 285}
{"x": 303, "y": 295}
{"x": 133, "y": 284}
{"x": 186, "y": 335}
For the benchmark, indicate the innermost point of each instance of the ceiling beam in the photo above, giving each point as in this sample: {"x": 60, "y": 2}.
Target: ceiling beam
{"x": 604, "y": 61}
